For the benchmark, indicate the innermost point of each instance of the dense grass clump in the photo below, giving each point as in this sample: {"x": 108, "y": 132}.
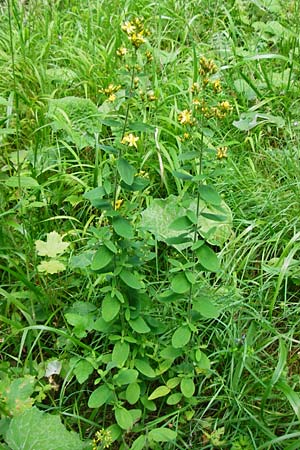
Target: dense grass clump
{"x": 149, "y": 225}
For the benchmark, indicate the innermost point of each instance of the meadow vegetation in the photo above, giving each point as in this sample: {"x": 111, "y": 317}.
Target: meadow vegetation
{"x": 149, "y": 225}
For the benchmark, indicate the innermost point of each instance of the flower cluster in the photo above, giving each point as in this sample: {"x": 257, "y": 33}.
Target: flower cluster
{"x": 122, "y": 51}
{"x": 186, "y": 117}
{"x": 130, "y": 140}
{"x": 135, "y": 31}
{"x": 110, "y": 91}
{"x": 102, "y": 439}
{"x": 207, "y": 67}
{"x": 222, "y": 152}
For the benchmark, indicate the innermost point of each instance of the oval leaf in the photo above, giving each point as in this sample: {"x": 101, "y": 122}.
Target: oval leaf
{"x": 133, "y": 392}
{"x": 180, "y": 284}
{"x": 100, "y": 396}
{"x": 139, "y": 325}
{"x": 181, "y": 337}
{"x": 187, "y": 387}
{"x": 120, "y": 353}
{"x": 126, "y": 376}
{"x": 162, "y": 435}
{"x": 110, "y": 308}
{"x": 208, "y": 259}
{"x": 123, "y": 418}
{"x": 131, "y": 280}
{"x": 126, "y": 171}
{"x": 102, "y": 258}
{"x": 123, "y": 227}
{"x": 161, "y": 391}
{"x": 145, "y": 368}
{"x": 206, "y": 308}
{"x": 210, "y": 195}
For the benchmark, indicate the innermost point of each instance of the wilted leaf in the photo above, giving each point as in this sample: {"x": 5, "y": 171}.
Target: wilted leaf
{"x": 52, "y": 266}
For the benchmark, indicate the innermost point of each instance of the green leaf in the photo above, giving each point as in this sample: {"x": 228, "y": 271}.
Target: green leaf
{"x": 102, "y": 258}
{"x": 133, "y": 393}
{"x": 174, "y": 399}
{"x": 181, "y": 223}
{"x": 162, "y": 435}
{"x": 53, "y": 247}
{"x": 205, "y": 307}
{"x": 125, "y": 376}
{"x": 123, "y": 227}
{"x": 34, "y": 430}
{"x": 123, "y": 418}
{"x": 120, "y": 353}
{"x": 180, "y": 284}
{"x": 100, "y": 396}
{"x": 292, "y": 397}
{"x": 160, "y": 391}
{"x": 210, "y": 195}
{"x": 181, "y": 337}
{"x": 139, "y": 325}
{"x": 139, "y": 443}
{"x": 130, "y": 279}
{"x": 145, "y": 368}
{"x": 126, "y": 171}
{"x": 24, "y": 182}
{"x": 208, "y": 259}
{"x": 95, "y": 196}
{"x": 187, "y": 387}
{"x": 110, "y": 307}
{"x": 16, "y": 394}
{"x": 83, "y": 370}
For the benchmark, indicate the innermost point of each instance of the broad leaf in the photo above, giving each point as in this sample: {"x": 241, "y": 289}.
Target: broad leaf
{"x": 210, "y": 195}
{"x": 187, "y": 387}
{"x": 180, "y": 284}
{"x": 102, "y": 258}
{"x": 34, "y": 430}
{"x": 133, "y": 392}
{"x": 160, "y": 391}
{"x": 110, "y": 307}
{"x": 16, "y": 394}
{"x": 205, "y": 307}
{"x": 83, "y": 370}
{"x": 53, "y": 247}
{"x": 145, "y": 368}
{"x": 126, "y": 171}
{"x": 122, "y": 227}
{"x": 120, "y": 353}
{"x": 162, "y": 435}
{"x": 181, "y": 337}
{"x": 123, "y": 418}
{"x": 125, "y": 376}
{"x": 131, "y": 280}
{"x": 208, "y": 259}
{"x": 100, "y": 396}
{"x": 139, "y": 325}
{"x": 139, "y": 443}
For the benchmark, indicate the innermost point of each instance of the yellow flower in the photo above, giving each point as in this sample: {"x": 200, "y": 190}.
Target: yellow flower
{"x": 151, "y": 96}
{"x": 128, "y": 27}
{"x": 111, "y": 89}
{"x": 112, "y": 98}
{"x": 225, "y": 106}
{"x": 195, "y": 88}
{"x": 222, "y": 152}
{"x": 217, "y": 87}
{"x": 207, "y": 66}
{"x": 130, "y": 140}
{"x": 122, "y": 51}
{"x": 185, "y": 117}
{"x": 149, "y": 56}
{"x": 118, "y": 204}
{"x": 137, "y": 39}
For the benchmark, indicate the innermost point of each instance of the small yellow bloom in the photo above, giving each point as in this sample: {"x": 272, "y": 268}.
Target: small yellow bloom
{"x": 137, "y": 39}
{"x": 151, "y": 96}
{"x": 128, "y": 27}
{"x": 217, "y": 87}
{"x": 149, "y": 56}
{"x": 207, "y": 66}
{"x": 130, "y": 140}
{"x": 195, "y": 88}
{"x": 122, "y": 51}
{"x": 111, "y": 89}
{"x": 112, "y": 98}
{"x": 118, "y": 204}
{"x": 222, "y": 152}
{"x": 225, "y": 106}
{"x": 136, "y": 81}
{"x": 185, "y": 117}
